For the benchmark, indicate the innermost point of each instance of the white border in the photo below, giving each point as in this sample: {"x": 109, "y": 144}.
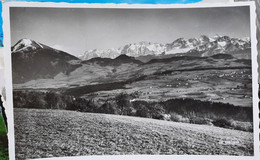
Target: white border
{"x": 8, "y": 74}
{"x": 8, "y": 86}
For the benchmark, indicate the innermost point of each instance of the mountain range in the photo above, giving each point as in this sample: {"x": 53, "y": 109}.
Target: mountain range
{"x": 32, "y": 60}
{"x": 209, "y": 69}
{"x": 202, "y": 46}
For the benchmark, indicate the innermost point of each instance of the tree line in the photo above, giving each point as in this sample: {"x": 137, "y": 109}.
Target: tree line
{"x": 178, "y": 110}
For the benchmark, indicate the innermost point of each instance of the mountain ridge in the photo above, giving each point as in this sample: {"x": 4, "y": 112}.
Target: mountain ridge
{"x": 204, "y": 46}
{"x": 121, "y": 59}
{"x": 32, "y": 60}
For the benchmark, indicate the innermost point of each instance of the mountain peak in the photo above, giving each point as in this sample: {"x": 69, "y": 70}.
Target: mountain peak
{"x": 26, "y": 44}
{"x": 26, "y": 41}
{"x": 179, "y": 40}
{"x": 40, "y": 60}
{"x": 204, "y": 39}
{"x": 224, "y": 38}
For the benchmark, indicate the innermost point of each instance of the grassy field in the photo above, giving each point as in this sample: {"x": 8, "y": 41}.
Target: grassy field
{"x": 3, "y": 141}
{"x": 56, "y": 133}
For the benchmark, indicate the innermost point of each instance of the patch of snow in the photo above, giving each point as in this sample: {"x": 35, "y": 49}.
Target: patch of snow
{"x": 178, "y": 50}
{"x": 24, "y": 43}
{"x": 222, "y": 44}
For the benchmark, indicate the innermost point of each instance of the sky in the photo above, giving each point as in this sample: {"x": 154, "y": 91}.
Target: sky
{"x": 111, "y": 1}
{"x": 78, "y": 30}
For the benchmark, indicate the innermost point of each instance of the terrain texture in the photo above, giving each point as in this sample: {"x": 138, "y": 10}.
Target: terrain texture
{"x": 97, "y": 134}
{"x": 190, "y": 81}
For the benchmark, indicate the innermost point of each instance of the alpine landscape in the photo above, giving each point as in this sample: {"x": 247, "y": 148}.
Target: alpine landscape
{"x": 132, "y": 81}
{"x": 203, "y": 83}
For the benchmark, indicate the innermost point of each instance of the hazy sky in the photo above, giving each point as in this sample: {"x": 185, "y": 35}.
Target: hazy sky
{"x": 78, "y": 30}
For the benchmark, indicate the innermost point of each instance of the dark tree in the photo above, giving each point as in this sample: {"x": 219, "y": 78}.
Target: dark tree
{"x": 51, "y": 99}
{"x": 123, "y": 103}
{"x": 108, "y": 108}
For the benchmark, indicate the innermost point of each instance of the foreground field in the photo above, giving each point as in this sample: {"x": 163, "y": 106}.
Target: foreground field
{"x": 56, "y": 133}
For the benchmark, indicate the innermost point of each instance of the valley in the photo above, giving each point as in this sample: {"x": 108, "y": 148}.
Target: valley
{"x": 143, "y": 81}
{"x": 153, "y": 97}
{"x": 219, "y": 78}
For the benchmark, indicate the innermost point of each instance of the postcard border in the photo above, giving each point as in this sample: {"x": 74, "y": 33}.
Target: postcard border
{"x": 8, "y": 72}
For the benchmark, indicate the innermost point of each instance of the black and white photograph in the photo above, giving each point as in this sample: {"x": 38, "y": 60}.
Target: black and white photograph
{"x": 133, "y": 81}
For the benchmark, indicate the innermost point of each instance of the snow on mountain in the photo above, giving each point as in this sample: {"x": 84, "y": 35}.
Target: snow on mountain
{"x": 32, "y": 60}
{"x": 26, "y": 45}
{"x": 205, "y": 45}
{"x": 143, "y": 49}
{"x": 109, "y": 53}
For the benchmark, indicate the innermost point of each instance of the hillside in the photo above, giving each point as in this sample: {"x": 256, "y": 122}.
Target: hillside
{"x": 122, "y": 59}
{"x": 32, "y": 60}
{"x": 220, "y": 78}
{"x": 97, "y": 134}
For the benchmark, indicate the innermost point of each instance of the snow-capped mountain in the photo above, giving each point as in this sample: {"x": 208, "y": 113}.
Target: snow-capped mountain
{"x": 33, "y": 60}
{"x": 26, "y": 45}
{"x": 132, "y": 50}
{"x": 224, "y": 45}
{"x": 143, "y": 49}
{"x": 109, "y": 53}
{"x": 205, "y": 46}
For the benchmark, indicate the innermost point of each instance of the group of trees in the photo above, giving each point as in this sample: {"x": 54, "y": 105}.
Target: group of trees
{"x": 50, "y": 100}
{"x": 39, "y": 100}
{"x": 180, "y": 110}
{"x": 120, "y": 105}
